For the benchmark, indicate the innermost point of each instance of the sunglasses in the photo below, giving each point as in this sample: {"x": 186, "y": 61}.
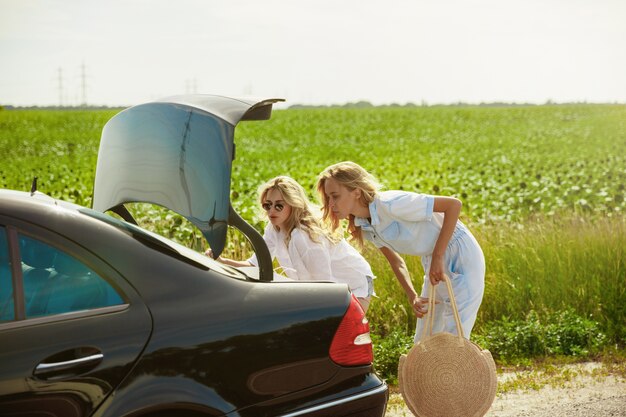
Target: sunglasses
{"x": 268, "y": 206}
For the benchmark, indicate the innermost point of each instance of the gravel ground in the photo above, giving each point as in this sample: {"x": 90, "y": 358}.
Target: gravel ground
{"x": 583, "y": 396}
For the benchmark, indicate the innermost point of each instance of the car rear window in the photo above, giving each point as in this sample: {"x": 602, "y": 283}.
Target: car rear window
{"x": 165, "y": 245}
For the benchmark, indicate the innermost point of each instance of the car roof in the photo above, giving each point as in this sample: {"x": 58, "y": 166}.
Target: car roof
{"x": 15, "y": 201}
{"x": 176, "y": 152}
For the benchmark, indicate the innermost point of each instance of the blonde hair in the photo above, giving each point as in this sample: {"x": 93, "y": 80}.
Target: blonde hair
{"x": 302, "y": 210}
{"x": 352, "y": 176}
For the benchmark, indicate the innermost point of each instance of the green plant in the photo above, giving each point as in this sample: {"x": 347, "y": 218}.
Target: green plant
{"x": 558, "y": 333}
{"x": 387, "y": 351}
{"x": 572, "y": 334}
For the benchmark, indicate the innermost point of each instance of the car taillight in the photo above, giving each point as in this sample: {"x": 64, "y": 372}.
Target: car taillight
{"x": 351, "y": 345}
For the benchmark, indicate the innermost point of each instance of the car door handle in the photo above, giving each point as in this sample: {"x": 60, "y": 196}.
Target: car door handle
{"x": 54, "y": 367}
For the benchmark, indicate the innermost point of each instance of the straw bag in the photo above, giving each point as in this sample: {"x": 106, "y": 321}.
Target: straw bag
{"x": 447, "y": 375}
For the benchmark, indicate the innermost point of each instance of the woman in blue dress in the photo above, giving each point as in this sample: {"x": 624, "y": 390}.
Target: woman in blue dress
{"x": 401, "y": 222}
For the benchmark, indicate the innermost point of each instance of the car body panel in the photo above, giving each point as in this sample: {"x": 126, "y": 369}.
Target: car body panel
{"x": 216, "y": 340}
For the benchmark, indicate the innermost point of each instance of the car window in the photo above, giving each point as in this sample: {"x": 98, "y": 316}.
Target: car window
{"x": 168, "y": 246}
{"x": 56, "y": 282}
{"x": 6, "y": 279}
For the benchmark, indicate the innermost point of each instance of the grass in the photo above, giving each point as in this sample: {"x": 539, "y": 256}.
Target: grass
{"x": 555, "y": 265}
{"x": 543, "y": 265}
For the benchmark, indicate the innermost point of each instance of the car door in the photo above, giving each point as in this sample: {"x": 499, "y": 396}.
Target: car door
{"x": 70, "y": 327}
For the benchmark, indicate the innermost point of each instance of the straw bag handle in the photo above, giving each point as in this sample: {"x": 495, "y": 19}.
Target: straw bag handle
{"x": 431, "y": 310}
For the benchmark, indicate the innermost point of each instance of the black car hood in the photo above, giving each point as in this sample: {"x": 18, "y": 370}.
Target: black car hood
{"x": 175, "y": 152}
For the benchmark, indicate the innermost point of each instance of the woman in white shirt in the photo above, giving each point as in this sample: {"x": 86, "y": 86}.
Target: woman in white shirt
{"x": 303, "y": 247}
{"x": 400, "y": 222}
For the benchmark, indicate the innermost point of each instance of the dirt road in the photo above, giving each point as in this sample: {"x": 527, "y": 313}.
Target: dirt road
{"x": 586, "y": 395}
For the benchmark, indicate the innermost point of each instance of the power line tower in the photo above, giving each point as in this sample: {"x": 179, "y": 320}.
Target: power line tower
{"x": 83, "y": 84}
{"x": 60, "y": 86}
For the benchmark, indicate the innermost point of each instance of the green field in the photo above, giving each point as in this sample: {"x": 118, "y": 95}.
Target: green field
{"x": 504, "y": 163}
{"x": 542, "y": 189}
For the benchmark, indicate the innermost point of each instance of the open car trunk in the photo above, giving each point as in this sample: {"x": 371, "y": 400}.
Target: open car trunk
{"x": 177, "y": 153}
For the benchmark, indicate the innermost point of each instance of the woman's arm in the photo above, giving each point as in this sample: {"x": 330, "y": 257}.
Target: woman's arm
{"x": 402, "y": 274}
{"x": 231, "y": 262}
{"x": 451, "y": 209}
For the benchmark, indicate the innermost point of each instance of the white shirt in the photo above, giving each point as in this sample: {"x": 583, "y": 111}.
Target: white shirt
{"x": 404, "y": 221}
{"x": 307, "y": 260}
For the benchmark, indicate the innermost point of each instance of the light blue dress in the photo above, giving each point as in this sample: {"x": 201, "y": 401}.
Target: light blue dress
{"x": 405, "y": 222}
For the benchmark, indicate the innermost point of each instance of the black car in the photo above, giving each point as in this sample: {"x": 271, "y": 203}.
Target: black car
{"x": 99, "y": 317}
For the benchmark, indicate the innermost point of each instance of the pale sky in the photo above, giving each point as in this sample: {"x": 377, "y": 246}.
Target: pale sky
{"x": 126, "y": 52}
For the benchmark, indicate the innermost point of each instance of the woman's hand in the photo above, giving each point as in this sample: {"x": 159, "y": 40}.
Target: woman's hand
{"x": 451, "y": 208}
{"x": 209, "y": 253}
{"x": 437, "y": 270}
{"x": 420, "y": 306}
